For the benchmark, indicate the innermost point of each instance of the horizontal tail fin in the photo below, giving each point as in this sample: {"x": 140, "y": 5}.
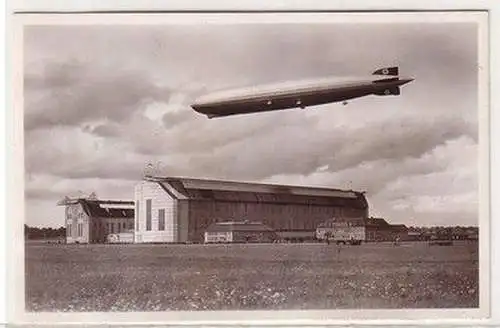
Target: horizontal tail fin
{"x": 391, "y": 71}
{"x": 395, "y": 91}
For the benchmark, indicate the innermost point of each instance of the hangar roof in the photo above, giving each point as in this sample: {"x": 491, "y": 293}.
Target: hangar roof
{"x": 204, "y": 189}
{"x": 95, "y": 208}
{"x": 103, "y": 208}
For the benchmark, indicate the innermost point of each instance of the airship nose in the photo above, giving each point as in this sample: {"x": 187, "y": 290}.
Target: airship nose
{"x": 196, "y": 106}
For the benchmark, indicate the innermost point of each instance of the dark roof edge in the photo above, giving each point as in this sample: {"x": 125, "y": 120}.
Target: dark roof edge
{"x": 162, "y": 186}
{"x": 180, "y": 178}
{"x": 66, "y": 201}
{"x": 125, "y": 202}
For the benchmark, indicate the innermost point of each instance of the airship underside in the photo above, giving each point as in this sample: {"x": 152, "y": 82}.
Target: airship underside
{"x": 383, "y": 82}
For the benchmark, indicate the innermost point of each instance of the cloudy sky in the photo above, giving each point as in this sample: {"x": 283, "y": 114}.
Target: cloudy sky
{"x": 103, "y": 101}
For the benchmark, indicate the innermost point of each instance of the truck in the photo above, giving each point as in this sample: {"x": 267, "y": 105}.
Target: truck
{"x": 342, "y": 231}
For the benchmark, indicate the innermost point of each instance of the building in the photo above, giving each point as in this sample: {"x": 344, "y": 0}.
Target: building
{"x": 92, "y": 220}
{"x": 378, "y": 229}
{"x": 170, "y": 209}
{"x": 399, "y": 231}
{"x": 239, "y": 232}
{"x": 342, "y": 230}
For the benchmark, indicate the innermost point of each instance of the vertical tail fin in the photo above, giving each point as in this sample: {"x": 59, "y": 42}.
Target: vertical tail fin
{"x": 391, "y": 71}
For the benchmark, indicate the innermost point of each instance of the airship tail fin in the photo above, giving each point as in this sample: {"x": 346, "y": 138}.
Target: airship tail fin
{"x": 391, "y": 71}
{"x": 394, "y": 91}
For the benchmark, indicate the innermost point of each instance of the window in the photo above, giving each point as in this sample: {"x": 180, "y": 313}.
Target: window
{"x": 161, "y": 219}
{"x": 69, "y": 230}
{"x": 137, "y": 215}
{"x": 148, "y": 214}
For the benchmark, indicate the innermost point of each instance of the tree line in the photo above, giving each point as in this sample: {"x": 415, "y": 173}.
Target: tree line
{"x": 43, "y": 233}
{"x": 456, "y": 232}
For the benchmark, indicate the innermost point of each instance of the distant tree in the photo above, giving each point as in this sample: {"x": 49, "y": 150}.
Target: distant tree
{"x": 41, "y": 233}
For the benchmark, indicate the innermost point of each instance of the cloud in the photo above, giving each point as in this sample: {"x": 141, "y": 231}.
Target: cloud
{"x": 41, "y": 209}
{"x": 102, "y": 101}
{"x": 36, "y": 187}
{"x": 69, "y": 94}
{"x": 70, "y": 153}
{"x": 439, "y": 187}
{"x": 291, "y": 148}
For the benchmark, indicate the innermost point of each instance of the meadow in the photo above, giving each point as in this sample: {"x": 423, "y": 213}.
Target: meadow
{"x": 250, "y": 277}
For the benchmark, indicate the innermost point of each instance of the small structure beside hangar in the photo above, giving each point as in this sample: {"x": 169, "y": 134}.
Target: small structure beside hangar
{"x": 124, "y": 237}
{"x": 378, "y": 229}
{"x": 341, "y": 230}
{"x": 90, "y": 220}
{"x": 239, "y": 232}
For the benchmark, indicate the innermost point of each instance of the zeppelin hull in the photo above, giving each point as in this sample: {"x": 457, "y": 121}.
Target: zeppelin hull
{"x": 299, "y": 97}
{"x": 272, "y": 103}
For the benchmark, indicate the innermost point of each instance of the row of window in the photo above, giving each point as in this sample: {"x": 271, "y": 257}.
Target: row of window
{"x": 119, "y": 227}
{"x": 79, "y": 230}
{"x": 110, "y": 226}
{"x": 149, "y": 211}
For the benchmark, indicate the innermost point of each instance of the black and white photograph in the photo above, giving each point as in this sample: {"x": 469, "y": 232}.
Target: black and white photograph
{"x": 208, "y": 162}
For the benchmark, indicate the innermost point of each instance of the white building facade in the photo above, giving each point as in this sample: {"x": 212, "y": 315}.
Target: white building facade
{"x": 157, "y": 214}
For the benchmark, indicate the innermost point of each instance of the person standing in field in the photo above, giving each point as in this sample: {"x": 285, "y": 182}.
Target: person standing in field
{"x": 327, "y": 237}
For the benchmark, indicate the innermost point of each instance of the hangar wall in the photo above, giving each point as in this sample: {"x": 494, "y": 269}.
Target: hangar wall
{"x": 286, "y": 217}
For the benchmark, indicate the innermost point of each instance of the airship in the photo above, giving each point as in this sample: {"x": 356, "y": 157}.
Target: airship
{"x": 299, "y": 94}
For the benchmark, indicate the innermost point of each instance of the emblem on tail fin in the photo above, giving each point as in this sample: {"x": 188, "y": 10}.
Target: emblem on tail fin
{"x": 391, "y": 71}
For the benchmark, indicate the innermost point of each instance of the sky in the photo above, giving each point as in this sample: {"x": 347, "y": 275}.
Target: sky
{"x": 103, "y": 101}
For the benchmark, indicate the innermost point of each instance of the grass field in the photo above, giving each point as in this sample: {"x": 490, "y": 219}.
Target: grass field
{"x": 230, "y": 277}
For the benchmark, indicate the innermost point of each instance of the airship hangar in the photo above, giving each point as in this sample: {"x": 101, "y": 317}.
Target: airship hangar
{"x": 181, "y": 210}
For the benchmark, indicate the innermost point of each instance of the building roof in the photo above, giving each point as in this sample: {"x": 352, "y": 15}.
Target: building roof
{"x": 377, "y": 222}
{"x": 103, "y": 208}
{"x": 399, "y": 226}
{"x": 383, "y": 224}
{"x": 204, "y": 189}
{"x": 238, "y": 226}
